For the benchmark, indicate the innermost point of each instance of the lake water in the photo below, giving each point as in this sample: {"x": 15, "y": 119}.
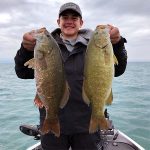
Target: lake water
{"x": 130, "y": 110}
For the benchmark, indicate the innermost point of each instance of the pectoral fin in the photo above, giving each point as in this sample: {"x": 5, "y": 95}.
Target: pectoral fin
{"x": 115, "y": 60}
{"x": 109, "y": 99}
{"x": 30, "y": 63}
{"x": 37, "y": 101}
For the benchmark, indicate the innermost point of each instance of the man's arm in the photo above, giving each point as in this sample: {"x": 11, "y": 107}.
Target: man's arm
{"x": 119, "y": 49}
{"x": 22, "y": 56}
{"x": 121, "y": 55}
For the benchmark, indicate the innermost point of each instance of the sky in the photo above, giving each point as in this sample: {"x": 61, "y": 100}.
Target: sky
{"x": 132, "y": 17}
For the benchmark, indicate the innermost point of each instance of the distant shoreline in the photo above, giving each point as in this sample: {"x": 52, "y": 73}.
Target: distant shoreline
{"x": 12, "y": 62}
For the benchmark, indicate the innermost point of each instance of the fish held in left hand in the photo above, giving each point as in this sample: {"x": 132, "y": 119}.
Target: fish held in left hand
{"x": 52, "y": 88}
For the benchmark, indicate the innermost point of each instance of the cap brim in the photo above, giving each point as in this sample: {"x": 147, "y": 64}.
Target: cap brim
{"x": 69, "y": 10}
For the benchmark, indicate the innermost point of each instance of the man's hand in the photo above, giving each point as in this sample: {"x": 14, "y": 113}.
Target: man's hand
{"x": 29, "y": 41}
{"x": 114, "y": 34}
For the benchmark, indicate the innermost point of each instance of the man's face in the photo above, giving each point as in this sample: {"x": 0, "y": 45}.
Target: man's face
{"x": 70, "y": 23}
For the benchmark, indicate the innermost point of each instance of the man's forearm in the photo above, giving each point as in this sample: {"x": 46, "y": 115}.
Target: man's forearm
{"x": 21, "y": 57}
{"x": 121, "y": 55}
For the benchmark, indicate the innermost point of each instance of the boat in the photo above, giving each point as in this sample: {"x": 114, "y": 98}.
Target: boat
{"x": 112, "y": 139}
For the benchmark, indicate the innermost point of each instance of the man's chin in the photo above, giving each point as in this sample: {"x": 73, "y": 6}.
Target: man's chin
{"x": 70, "y": 33}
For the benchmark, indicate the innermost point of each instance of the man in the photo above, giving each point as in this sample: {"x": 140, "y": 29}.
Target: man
{"x": 75, "y": 116}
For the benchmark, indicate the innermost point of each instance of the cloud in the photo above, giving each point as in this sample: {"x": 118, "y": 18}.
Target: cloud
{"x": 131, "y": 17}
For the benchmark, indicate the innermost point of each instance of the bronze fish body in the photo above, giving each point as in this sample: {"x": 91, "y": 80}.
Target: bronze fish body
{"x": 98, "y": 76}
{"x": 52, "y": 88}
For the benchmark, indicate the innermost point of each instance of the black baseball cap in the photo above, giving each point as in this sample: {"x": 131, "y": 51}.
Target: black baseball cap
{"x": 70, "y": 6}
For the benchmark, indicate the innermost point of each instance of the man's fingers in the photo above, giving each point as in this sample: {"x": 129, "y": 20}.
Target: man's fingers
{"x": 113, "y": 30}
{"x": 29, "y": 37}
{"x": 28, "y": 44}
{"x": 116, "y": 39}
{"x": 29, "y": 40}
{"x": 114, "y": 34}
{"x": 110, "y": 26}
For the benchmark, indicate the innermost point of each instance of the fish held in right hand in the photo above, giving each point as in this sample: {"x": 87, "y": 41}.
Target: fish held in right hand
{"x": 52, "y": 87}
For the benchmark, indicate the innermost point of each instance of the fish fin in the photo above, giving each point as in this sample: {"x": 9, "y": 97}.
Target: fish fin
{"x": 84, "y": 96}
{"x": 65, "y": 96}
{"x": 115, "y": 60}
{"x": 103, "y": 123}
{"x": 30, "y": 63}
{"x": 98, "y": 123}
{"x": 93, "y": 125}
{"x": 109, "y": 99}
{"x": 37, "y": 101}
{"x": 51, "y": 125}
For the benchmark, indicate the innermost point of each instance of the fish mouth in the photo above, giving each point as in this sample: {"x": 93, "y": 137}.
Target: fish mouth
{"x": 104, "y": 46}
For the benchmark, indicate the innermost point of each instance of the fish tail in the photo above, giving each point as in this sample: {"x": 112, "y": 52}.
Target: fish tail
{"x": 51, "y": 125}
{"x": 98, "y": 123}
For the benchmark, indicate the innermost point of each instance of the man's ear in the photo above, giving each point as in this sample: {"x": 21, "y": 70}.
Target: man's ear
{"x": 81, "y": 23}
{"x": 58, "y": 21}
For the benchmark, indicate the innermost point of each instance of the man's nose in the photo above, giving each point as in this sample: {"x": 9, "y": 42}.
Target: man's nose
{"x": 69, "y": 20}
